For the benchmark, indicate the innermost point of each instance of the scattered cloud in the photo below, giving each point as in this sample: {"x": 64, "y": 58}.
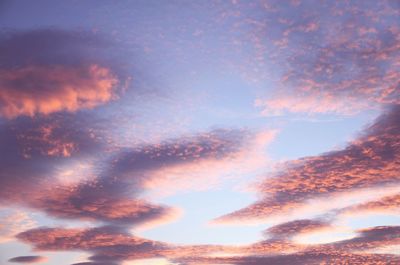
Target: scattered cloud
{"x": 338, "y": 58}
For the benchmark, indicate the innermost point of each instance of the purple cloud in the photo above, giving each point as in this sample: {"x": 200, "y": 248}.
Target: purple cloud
{"x": 28, "y": 259}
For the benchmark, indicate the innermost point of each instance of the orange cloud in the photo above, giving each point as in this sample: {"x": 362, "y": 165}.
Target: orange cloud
{"x": 34, "y": 90}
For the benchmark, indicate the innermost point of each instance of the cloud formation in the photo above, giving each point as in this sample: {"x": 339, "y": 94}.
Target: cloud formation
{"x": 41, "y": 152}
{"x": 114, "y": 245}
{"x": 385, "y": 204}
{"x": 370, "y": 161}
{"x": 60, "y": 157}
{"x": 106, "y": 243}
{"x": 43, "y": 90}
{"x": 48, "y": 71}
{"x": 333, "y": 57}
{"x": 299, "y": 259}
{"x": 345, "y": 251}
{"x": 37, "y": 150}
{"x": 296, "y": 227}
{"x": 109, "y": 244}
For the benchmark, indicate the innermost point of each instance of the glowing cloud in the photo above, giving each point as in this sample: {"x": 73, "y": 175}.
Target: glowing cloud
{"x": 43, "y": 90}
{"x": 376, "y": 153}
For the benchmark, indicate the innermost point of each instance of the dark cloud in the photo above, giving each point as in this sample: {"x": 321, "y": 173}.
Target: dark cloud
{"x": 28, "y": 259}
{"x": 38, "y": 151}
{"x": 110, "y": 197}
{"x": 33, "y": 151}
{"x": 215, "y": 144}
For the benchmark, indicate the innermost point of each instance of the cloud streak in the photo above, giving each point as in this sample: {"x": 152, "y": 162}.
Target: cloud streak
{"x": 28, "y": 259}
{"x": 370, "y": 161}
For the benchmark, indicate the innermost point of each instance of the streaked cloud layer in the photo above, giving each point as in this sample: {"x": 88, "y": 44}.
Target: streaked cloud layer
{"x": 119, "y": 122}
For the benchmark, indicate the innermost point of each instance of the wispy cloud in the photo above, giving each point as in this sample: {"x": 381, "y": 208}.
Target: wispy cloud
{"x": 28, "y": 259}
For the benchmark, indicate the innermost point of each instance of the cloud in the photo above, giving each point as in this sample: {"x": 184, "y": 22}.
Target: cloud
{"x": 40, "y": 153}
{"x": 247, "y": 157}
{"x": 43, "y": 90}
{"x": 36, "y": 151}
{"x": 111, "y": 196}
{"x": 70, "y": 203}
{"x": 108, "y": 244}
{"x": 50, "y": 70}
{"x": 112, "y": 244}
{"x": 347, "y": 251}
{"x": 13, "y": 222}
{"x": 28, "y": 259}
{"x": 95, "y": 263}
{"x": 85, "y": 239}
{"x": 367, "y": 239}
{"x": 293, "y": 228}
{"x": 298, "y": 259}
{"x": 370, "y": 161}
{"x": 386, "y": 204}
{"x": 332, "y": 57}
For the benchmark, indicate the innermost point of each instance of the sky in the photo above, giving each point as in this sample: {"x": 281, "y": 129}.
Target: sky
{"x": 237, "y": 132}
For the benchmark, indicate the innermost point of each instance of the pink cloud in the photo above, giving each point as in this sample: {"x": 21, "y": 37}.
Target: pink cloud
{"x": 368, "y": 162}
{"x": 44, "y": 90}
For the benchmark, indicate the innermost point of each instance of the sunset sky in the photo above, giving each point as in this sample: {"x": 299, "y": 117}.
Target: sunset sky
{"x": 215, "y": 132}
